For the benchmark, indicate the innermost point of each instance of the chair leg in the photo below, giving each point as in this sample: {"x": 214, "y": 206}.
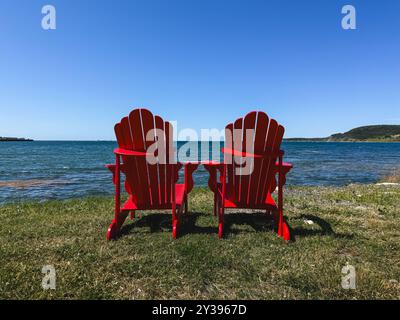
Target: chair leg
{"x": 175, "y": 221}
{"x": 215, "y": 204}
{"x": 119, "y": 216}
{"x": 283, "y": 227}
{"x": 221, "y": 222}
{"x": 174, "y": 228}
{"x": 116, "y": 224}
{"x": 186, "y": 205}
{"x": 286, "y": 232}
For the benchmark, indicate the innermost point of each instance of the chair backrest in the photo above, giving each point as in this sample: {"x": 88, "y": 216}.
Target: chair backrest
{"x": 259, "y": 135}
{"x": 149, "y": 184}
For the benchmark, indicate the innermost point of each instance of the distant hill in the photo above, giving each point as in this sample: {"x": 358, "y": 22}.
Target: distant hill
{"x": 13, "y": 139}
{"x": 384, "y": 133}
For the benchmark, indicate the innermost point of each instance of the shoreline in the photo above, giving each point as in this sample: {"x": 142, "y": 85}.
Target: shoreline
{"x": 201, "y": 188}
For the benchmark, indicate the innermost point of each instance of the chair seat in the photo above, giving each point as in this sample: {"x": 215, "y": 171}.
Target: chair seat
{"x": 131, "y": 204}
{"x": 229, "y": 201}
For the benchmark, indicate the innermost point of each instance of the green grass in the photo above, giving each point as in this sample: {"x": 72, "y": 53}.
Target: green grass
{"x": 358, "y": 224}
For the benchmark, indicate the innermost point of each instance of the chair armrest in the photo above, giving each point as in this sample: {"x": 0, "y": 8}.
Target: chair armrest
{"x": 212, "y": 164}
{"x": 285, "y": 168}
{"x": 212, "y": 167}
{"x": 112, "y": 168}
{"x": 189, "y": 168}
{"x": 266, "y": 154}
{"x": 125, "y": 152}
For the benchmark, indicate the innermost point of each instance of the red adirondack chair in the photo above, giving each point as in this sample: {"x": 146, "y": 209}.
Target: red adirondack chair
{"x": 150, "y": 186}
{"x": 255, "y": 139}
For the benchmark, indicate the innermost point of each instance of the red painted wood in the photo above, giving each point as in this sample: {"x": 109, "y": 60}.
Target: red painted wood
{"x": 259, "y": 148}
{"x": 228, "y": 159}
{"x": 168, "y": 173}
{"x": 124, "y": 139}
{"x": 117, "y": 188}
{"x": 125, "y": 152}
{"x": 162, "y": 158}
{"x": 266, "y": 164}
{"x": 180, "y": 194}
{"x": 154, "y": 186}
{"x": 213, "y": 168}
{"x": 189, "y": 169}
{"x": 152, "y": 169}
{"x": 149, "y": 185}
{"x": 280, "y": 199}
{"x": 269, "y": 174}
{"x": 252, "y": 191}
{"x": 237, "y": 144}
{"x": 249, "y": 123}
{"x": 239, "y": 153}
{"x": 141, "y": 179}
{"x": 286, "y": 167}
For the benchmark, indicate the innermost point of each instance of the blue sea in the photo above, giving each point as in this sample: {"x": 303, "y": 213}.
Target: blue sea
{"x": 43, "y": 170}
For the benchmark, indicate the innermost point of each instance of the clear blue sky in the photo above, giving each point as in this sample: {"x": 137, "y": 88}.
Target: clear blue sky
{"x": 202, "y": 63}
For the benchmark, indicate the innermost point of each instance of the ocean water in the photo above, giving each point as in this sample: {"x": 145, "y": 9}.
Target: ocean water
{"x": 43, "y": 170}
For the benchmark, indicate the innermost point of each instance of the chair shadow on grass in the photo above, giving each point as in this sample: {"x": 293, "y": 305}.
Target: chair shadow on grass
{"x": 162, "y": 222}
{"x": 325, "y": 229}
{"x": 259, "y": 222}
{"x": 262, "y": 222}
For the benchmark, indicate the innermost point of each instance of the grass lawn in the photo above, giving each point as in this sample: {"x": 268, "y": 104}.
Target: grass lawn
{"x": 358, "y": 224}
